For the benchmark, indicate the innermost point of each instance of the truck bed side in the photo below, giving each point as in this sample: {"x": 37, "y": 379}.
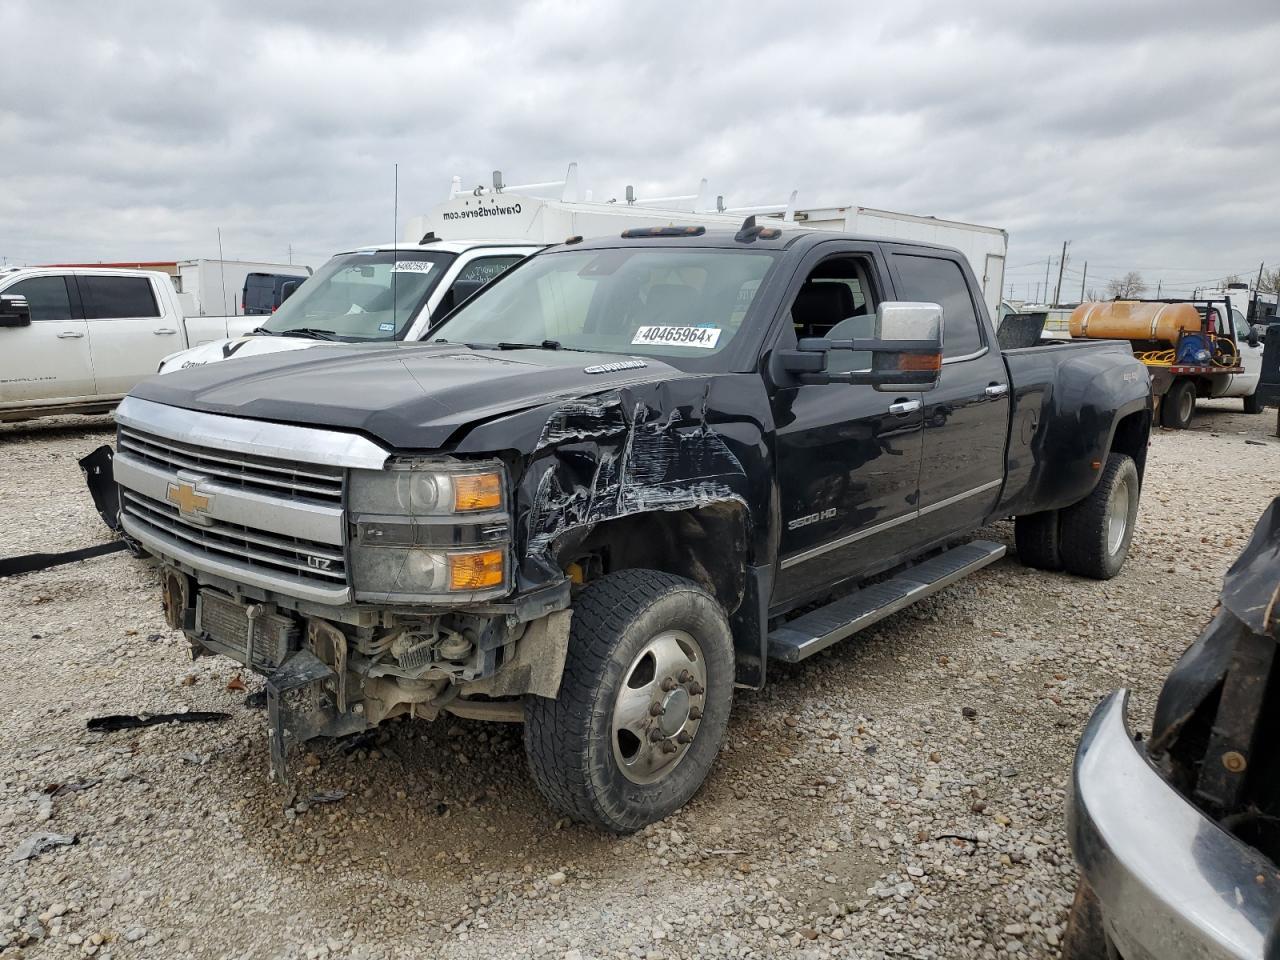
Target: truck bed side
{"x": 1073, "y": 402}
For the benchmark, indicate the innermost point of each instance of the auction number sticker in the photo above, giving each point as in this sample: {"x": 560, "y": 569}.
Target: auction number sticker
{"x": 412, "y": 266}
{"x": 703, "y": 337}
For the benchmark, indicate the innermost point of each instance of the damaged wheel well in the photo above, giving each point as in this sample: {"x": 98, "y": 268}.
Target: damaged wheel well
{"x": 707, "y": 544}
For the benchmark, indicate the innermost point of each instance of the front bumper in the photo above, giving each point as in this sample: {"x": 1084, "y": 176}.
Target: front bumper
{"x": 1172, "y": 883}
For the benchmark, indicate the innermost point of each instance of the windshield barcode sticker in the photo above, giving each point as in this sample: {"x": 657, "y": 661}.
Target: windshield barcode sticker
{"x": 412, "y": 266}
{"x": 703, "y": 337}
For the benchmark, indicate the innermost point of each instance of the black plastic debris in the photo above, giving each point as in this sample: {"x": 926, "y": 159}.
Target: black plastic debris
{"x": 129, "y": 721}
{"x": 75, "y": 786}
{"x": 38, "y": 843}
{"x": 30, "y": 562}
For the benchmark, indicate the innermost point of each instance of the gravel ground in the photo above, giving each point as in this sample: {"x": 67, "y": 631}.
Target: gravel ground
{"x": 857, "y": 811}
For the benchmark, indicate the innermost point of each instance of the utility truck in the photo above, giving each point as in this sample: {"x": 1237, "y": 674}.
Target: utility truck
{"x": 614, "y": 485}
{"x": 1192, "y": 349}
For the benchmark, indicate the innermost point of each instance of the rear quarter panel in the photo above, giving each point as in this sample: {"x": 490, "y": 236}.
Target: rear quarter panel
{"x": 1068, "y": 399}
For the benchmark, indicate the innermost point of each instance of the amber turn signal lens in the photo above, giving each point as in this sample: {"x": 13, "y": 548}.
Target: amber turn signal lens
{"x": 481, "y": 491}
{"x": 920, "y": 361}
{"x": 475, "y": 571}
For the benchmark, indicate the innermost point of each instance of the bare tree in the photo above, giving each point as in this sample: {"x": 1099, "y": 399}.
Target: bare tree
{"x": 1270, "y": 281}
{"x": 1230, "y": 279}
{"x": 1128, "y": 287}
{"x": 1091, "y": 293}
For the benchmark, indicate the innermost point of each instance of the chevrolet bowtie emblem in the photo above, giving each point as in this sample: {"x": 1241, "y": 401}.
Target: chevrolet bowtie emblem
{"x": 183, "y": 495}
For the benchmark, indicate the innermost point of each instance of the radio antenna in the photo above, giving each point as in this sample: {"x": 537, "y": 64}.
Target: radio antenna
{"x": 395, "y": 244}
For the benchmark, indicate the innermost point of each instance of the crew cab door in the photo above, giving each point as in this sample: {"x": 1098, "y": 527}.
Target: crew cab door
{"x": 966, "y": 416}
{"x": 848, "y": 455}
{"x": 48, "y": 359}
{"x": 128, "y": 332}
{"x": 1244, "y": 384}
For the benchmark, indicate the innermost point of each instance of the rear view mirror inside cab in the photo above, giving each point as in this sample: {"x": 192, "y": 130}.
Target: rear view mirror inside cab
{"x": 906, "y": 351}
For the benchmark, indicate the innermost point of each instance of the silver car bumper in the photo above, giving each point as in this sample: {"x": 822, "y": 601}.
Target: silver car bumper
{"x": 1172, "y": 884}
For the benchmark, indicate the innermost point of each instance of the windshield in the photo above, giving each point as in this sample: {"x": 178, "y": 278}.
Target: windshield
{"x": 363, "y": 296}
{"x": 672, "y": 302}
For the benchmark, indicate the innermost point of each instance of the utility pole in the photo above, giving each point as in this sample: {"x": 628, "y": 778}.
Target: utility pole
{"x": 1159, "y": 284}
{"x": 1252, "y": 310}
{"x": 1083, "y": 277}
{"x": 1062, "y": 265}
{"x": 1047, "y": 261}
{"x": 1037, "y": 291}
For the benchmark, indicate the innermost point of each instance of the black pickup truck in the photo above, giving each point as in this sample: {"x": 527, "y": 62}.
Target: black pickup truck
{"x": 615, "y": 484}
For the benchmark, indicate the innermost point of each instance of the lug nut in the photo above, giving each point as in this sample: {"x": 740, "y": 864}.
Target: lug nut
{"x": 695, "y": 689}
{"x": 655, "y": 735}
{"x": 657, "y": 710}
{"x": 684, "y": 736}
{"x": 668, "y": 684}
{"x": 695, "y": 713}
{"x": 669, "y": 747}
{"x": 685, "y": 676}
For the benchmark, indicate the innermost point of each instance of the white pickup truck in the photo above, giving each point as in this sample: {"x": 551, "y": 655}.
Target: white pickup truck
{"x": 76, "y": 340}
{"x": 374, "y": 294}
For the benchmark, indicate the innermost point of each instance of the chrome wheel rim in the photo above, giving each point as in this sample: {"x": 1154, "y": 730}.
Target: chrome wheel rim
{"x": 659, "y": 707}
{"x": 1117, "y": 517}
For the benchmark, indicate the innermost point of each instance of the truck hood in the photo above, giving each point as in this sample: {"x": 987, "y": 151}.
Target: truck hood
{"x": 411, "y": 396}
{"x": 215, "y": 351}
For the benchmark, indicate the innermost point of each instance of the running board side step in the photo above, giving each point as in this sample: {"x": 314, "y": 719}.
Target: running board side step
{"x": 819, "y": 629}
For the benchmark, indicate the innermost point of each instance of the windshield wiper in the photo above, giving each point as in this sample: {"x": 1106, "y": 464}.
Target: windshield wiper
{"x": 313, "y": 333}
{"x": 508, "y": 345}
{"x": 261, "y": 331}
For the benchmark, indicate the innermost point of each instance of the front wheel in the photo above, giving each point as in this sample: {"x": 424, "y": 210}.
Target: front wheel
{"x": 1096, "y": 532}
{"x": 1253, "y": 403}
{"x": 643, "y": 704}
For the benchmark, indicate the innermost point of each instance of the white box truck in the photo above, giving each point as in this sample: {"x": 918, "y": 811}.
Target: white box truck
{"x": 517, "y": 213}
{"x": 215, "y": 288}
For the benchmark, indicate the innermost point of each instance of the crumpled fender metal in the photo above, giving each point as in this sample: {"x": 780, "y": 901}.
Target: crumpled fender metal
{"x": 627, "y": 451}
{"x": 1249, "y": 599}
{"x": 693, "y": 443}
{"x": 100, "y": 479}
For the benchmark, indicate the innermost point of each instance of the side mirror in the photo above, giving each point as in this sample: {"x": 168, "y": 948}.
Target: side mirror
{"x": 14, "y": 311}
{"x": 1257, "y": 333}
{"x": 906, "y": 351}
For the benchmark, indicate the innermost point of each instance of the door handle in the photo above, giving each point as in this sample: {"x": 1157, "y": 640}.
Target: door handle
{"x": 70, "y": 335}
{"x": 997, "y": 390}
{"x": 163, "y": 331}
{"x": 905, "y": 406}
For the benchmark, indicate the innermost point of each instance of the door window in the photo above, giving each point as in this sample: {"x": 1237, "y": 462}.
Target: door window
{"x": 47, "y": 297}
{"x": 933, "y": 280}
{"x": 836, "y": 302}
{"x": 472, "y": 277}
{"x": 113, "y": 298}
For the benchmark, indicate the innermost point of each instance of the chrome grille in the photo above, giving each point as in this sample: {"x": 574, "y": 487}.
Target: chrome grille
{"x": 307, "y": 560}
{"x": 265, "y": 475}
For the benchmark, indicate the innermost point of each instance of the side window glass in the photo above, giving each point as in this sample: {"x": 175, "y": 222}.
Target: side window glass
{"x": 484, "y": 269}
{"x": 932, "y": 280}
{"x": 836, "y": 302}
{"x": 116, "y": 298}
{"x": 47, "y": 297}
{"x": 471, "y": 278}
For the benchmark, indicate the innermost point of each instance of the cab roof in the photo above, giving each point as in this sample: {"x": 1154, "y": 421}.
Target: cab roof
{"x": 446, "y": 246}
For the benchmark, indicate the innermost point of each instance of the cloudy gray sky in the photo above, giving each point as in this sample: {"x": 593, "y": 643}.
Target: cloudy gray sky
{"x": 1146, "y": 133}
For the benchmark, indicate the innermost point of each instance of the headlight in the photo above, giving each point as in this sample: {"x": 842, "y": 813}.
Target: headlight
{"x": 428, "y": 531}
